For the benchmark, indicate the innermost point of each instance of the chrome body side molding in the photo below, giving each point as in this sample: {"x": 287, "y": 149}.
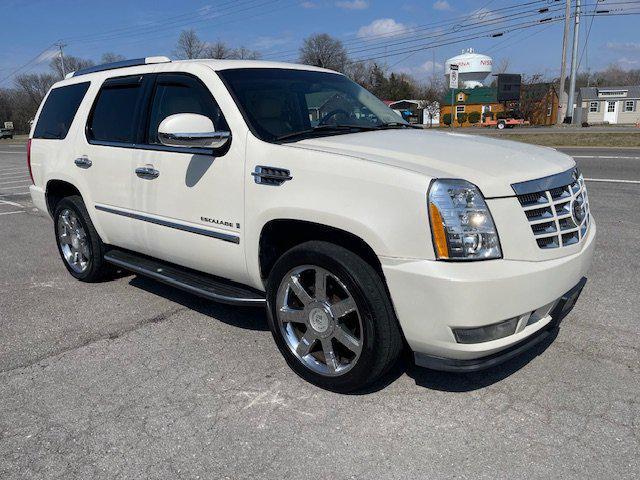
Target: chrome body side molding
{"x": 227, "y": 237}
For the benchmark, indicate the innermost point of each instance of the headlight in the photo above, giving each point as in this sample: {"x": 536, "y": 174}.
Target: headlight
{"x": 461, "y": 223}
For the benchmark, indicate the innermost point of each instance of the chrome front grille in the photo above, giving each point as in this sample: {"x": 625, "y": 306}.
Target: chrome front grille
{"x": 557, "y": 208}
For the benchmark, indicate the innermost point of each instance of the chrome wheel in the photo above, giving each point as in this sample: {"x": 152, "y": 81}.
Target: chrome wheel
{"x": 319, "y": 320}
{"x": 73, "y": 241}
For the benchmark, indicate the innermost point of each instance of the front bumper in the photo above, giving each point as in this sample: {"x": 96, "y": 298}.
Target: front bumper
{"x": 431, "y": 298}
{"x": 560, "y": 310}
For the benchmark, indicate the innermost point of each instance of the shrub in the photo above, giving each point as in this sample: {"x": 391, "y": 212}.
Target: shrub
{"x": 474, "y": 117}
{"x": 446, "y": 119}
{"x": 461, "y": 118}
{"x": 502, "y": 115}
{"x": 486, "y": 115}
{"x": 585, "y": 124}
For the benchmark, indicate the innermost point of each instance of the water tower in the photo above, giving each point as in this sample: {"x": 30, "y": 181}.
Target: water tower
{"x": 473, "y": 68}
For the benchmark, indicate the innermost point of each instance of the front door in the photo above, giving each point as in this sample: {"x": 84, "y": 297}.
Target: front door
{"x": 194, "y": 206}
{"x": 611, "y": 112}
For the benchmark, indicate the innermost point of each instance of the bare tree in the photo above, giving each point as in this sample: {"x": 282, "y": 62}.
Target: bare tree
{"x": 71, "y": 64}
{"x": 111, "y": 57}
{"x": 189, "y": 45}
{"x": 503, "y": 66}
{"x": 219, "y": 50}
{"x": 243, "y": 53}
{"x": 322, "y": 50}
{"x": 35, "y": 86}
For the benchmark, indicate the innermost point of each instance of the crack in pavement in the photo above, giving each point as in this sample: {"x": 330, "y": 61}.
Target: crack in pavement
{"x": 159, "y": 318}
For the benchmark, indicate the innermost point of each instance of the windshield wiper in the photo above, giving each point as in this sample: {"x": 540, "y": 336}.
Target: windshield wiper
{"x": 397, "y": 125}
{"x": 327, "y": 128}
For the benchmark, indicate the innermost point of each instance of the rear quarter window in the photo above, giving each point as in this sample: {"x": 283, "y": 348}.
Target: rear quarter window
{"x": 59, "y": 110}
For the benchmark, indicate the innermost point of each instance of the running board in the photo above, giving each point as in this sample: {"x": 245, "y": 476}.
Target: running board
{"x": 197, "y": 283}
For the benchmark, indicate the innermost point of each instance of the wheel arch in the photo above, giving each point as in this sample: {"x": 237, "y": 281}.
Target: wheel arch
{"x": 56, "y": 190}
{"x": 279, "y": 235}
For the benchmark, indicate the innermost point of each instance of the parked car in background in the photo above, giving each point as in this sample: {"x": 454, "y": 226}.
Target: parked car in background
{"x": 6, "y": 133}
{"x": 361, "y": 235}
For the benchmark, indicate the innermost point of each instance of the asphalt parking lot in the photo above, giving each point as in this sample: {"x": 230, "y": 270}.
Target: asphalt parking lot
{"x": 132, "y": 379}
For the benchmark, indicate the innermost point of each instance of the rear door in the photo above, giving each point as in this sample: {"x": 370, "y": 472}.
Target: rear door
{"x": 105, "y": 159}
{"x": 194, "y": 207}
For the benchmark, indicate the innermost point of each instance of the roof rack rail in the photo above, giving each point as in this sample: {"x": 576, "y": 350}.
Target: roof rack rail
{"x": 121, "y": 64}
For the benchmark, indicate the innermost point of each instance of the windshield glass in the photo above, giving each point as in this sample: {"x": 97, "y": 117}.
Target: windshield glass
{"x": 280, "y": 103}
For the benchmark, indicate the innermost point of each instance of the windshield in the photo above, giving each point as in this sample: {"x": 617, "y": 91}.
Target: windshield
{"x": 283, "y": 104}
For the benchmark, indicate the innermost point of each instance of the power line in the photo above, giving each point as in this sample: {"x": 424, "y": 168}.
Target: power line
{"x": 172, "y": 22}
{"x": 474, "y": 36}
{"x": 243, "y": 17}
{"x": 404, "y": 33}
{"x": 22, "y": 67}
{"x": 471, "y": 26}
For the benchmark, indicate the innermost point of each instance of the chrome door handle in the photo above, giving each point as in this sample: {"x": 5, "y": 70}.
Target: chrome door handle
{"x": 148, "y": 173}
{"x": 83, "y": 162}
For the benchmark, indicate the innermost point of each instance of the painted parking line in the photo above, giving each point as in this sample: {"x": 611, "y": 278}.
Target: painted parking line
{"x": 8, "y": 202}
{"x": 15, "y": 194}
{"x": 606, "y": 156}
{"x": 10, "y": 182}
{"x": 612, "y": 180}
{"x": 14, "y": 188}
{"x": 13, "y": 176}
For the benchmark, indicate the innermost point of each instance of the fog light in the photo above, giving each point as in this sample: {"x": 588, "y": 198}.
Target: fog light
{"x": 487, "y": 333}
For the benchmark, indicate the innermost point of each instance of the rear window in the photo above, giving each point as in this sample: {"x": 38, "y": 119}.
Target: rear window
{"x": 114, "y": 116}
{"x": 59, "y": 110}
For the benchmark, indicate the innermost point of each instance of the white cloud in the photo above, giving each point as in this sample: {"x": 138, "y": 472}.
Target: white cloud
{"x": 309, "y": 5}
{"x": 428, "y": 66}
{"x": 267, "y": 43}
{"x": 48, "y": 55}
{"x": 353, "y": 4}
{"x": 624, "y": 47}
{"x": 441, "y": 5}
{"x": 483, "y": 14}
{"x": 383, "y": 27}
{"x": 627, "y": 62}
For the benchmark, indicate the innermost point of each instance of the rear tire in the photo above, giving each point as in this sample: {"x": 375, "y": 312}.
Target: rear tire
{"x": 340, "y": 334}
{"x": 79, "y": 245}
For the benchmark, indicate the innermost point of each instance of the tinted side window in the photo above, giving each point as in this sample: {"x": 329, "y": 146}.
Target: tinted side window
{"x": 114, "y": 116}
{"x": 175, "y": 93}
{"x": 59, "y": 110}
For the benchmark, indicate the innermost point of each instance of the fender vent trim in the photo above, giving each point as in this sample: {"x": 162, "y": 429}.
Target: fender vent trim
{"x": 273, "y": 176}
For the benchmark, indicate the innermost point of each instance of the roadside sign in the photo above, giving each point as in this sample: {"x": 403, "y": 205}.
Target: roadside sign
{"x": 8, "y": 125}
{"x": 453, "y": 76}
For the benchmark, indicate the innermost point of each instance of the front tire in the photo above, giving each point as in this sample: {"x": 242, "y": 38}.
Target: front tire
{"x": 79, "y": 245}
{"x": 331, "y": 317}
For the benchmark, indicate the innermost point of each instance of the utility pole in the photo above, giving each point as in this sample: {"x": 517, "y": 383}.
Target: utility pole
{"x": 574, "y": 62}
{"x": 61, "y": 45}
{"x": 563, "y": 68}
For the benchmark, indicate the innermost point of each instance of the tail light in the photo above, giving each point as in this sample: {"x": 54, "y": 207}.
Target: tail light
{"x": 29, "y": 160}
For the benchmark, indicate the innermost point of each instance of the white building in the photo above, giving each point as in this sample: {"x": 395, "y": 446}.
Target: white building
{"x": 613, "y": 105}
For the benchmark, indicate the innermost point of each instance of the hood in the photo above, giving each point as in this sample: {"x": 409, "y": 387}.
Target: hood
{"x": 491, "y": 164}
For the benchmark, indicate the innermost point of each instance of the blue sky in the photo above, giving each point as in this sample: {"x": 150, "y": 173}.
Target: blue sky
{"x": 276, "y": 27}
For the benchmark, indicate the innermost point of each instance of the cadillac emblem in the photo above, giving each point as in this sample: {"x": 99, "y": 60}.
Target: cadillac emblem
{"x": 578, "y": 211}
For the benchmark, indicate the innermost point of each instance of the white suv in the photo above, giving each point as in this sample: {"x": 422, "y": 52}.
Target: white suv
{"x": 291, "y": 187}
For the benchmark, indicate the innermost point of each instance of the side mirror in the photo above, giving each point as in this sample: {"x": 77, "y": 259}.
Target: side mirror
{"x": 191, "y": 130}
